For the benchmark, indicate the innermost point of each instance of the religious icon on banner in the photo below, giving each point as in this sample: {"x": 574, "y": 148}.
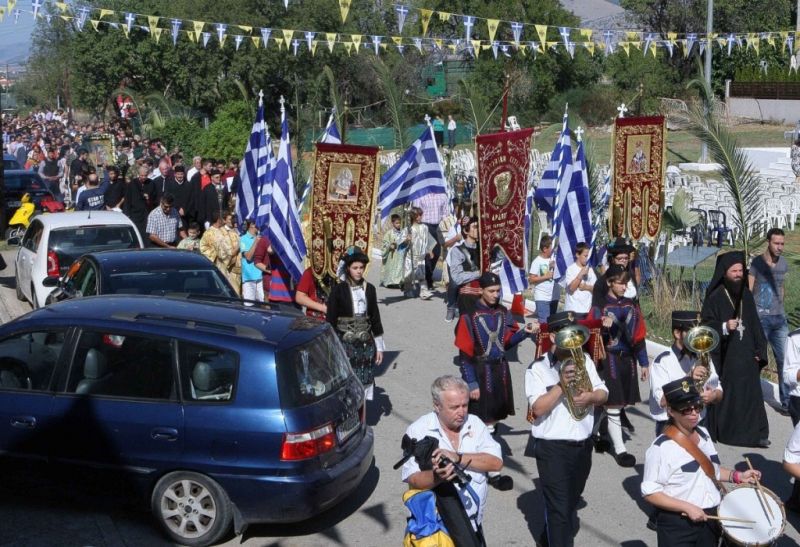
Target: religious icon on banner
{"x": 102, "y": 151}
{"x": 343, "y": 193}
{"x": 503, "y": 165}
{"x": 637, "y": 195}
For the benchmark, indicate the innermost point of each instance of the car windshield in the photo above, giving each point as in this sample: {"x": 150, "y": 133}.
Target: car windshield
{"x": 312, "y": 371}
{"x": 15, "y": 181}
{"x": 70, "y": 243}
{"x": 174, "y": 280}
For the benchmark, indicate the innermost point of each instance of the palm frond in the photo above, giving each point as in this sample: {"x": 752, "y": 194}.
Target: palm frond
{"x": 680, "y": 216}
{"x": 740, "y": 179}
{"x": 474, "y": 105}
{"x": 394, "y": 101}
{"x": 336, "y": 98}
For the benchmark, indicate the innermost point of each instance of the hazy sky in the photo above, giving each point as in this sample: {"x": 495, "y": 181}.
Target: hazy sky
{"x": 15, "y": 39}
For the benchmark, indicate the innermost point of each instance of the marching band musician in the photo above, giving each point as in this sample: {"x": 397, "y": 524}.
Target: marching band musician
{"x": 624, "y": 338}
{"x": 681, "y": 472}
{"x": 677, "y": 364}
{"x": 563, "y": 445}
{"x": 791, "y": 377}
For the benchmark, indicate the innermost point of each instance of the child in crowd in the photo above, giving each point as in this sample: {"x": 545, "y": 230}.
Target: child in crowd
{"x": 192, "y": 240}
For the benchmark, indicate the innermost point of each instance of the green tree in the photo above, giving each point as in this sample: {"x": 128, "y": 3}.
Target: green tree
{"x": 227, "y": 135}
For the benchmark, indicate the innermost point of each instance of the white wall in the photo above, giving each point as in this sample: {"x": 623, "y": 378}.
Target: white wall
{"x": 777, "y": 110}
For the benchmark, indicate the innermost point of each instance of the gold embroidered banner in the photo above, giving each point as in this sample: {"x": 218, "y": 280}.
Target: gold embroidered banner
{"x": 343, "y": 194}
{"x": 637, "y": 195}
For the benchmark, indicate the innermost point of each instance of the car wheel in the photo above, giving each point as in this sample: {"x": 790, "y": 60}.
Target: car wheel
{"x": 18, "y": 290}
{"x": 192, "y": 509}
{"x": 34, "y": 300}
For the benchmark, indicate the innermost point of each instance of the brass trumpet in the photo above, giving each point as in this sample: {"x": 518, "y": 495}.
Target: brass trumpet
{"x": 701, "y": 340}
{"x": 572, "y": 339}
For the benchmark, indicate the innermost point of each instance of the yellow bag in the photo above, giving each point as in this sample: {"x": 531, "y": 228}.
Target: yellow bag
{"x": 425, "y": 527}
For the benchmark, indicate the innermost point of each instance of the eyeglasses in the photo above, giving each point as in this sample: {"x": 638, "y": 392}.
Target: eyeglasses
{"x": 694, "y": 408}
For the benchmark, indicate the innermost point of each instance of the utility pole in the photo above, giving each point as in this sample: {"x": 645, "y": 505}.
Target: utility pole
{"x": 709, "y": 48}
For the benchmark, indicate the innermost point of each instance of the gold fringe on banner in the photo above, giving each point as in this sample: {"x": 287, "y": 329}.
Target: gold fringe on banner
{"x": 492, "y": 25}
{"x": 425, "y": 18}
{"x": 344, "y": 8}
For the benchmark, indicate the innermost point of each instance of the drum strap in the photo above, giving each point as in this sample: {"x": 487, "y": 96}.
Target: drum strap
{"x": 694, "y": 451}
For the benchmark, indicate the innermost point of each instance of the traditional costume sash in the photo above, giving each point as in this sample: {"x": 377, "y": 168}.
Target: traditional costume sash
{"x": 503, "y": 164}
{"x": 343, "y": 197}
{"x": 637, "y": 196}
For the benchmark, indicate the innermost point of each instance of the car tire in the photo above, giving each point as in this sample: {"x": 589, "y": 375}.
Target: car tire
{"x": 18, "y": 290}
{"x": 34, "y": 300}
{"x": 192, "y": 509}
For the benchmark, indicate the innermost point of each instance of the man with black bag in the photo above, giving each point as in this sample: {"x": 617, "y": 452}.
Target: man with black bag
{"x": 464, "y": 448}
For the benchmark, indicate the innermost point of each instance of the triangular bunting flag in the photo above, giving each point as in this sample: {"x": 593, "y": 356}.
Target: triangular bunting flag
{"x": 476, "y": 46}
{"x": 356, "y": 40}
{"x": 314, "y": 47}
{"x": 330, "y": 38}
{"x": 104, "y": 12}
{"x": 287, "y": 36}
{"x": 626, "y": 46}
{"x": 541, "y": 30}
{"x": 492, "y": 24}
{"x": 95, "y": 23}
{"x": 265, "y": 33}
{"x": 401, "y": 12}
{"x": 62, "y": 6}
{"x": 256, "y": 41}
{"x": 516, "y": 31}
{"x": 309, "y": 38}
{"x": 425, "y": 18}
{"x": 245, "y": 28}
{"x": 198, "y": 29}
{"x": 206, "y": 37}
{"x": 348, "y": 46}
{"x": 152, "y": 22}
{"x": 237, "y": 41}
{"x": 444, "y": 16}
{"x": 156, "y": 32}
{"x": 586, "y": 33}
{"x": 344, "y": 8}
{"x": 589, "y": 47}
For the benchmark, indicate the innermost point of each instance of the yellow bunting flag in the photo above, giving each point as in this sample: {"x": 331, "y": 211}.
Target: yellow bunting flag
{"x": 256, "y": 41}
{"x": 586, "y": 33}
{"x": 438, "y": 42}
{"x": 287, "y": 36}
{"x": 125, "y": 31}
{"x": 95, "y": 23}
{"x": 62, "y": 6}
{"x": 771, "y": 39}
{"x": 589, "y": 47}
{"x": 279, "y": 41}
{"x": 722, "y": 42}
{"x": 349, "y": 47}
{"x": 245, "y": 28}
{"x": 476, "y": 46}
{"x": 784, "y": 36}
{"x": 626, "y": 46}
{"x": 198, "y": 29}
{"x": 637, "y": 45}
{"x": 652, "y": 49}
{"x": 756, "y": 44}
{"x": 425, "y": 18}
{"x": 157, "y": 33}
{"x": 344, "y": 7}
{"x": 314, "y": 47}
{"x": 330, "y": 37}
{"x": 2, "y": 13}
{"x": 104, "y": 12}
{"x": 492, "y": 25}
{"x": 541, "y": 30}
{"x": 152, "y": 20}
{"x": 356, "y": 40}
{"x": 443, "y": 16}
{"x": 66, "y": 18}
{"x": 189, "y": 34}
{"x": 398, "y": 40}
{"x": 11, "y": 4}
{"x": 632, "y": 35}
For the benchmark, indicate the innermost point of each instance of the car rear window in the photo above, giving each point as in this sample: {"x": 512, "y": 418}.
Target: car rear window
{"x": 190, "y": 281}
{"x": 75, "y": 241}
{"x": 312, "y": 371}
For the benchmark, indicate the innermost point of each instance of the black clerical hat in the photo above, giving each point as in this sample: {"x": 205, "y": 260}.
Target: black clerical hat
{"x": 681, "y": 393}
{"x": 685, "y": 319}
{"x": 488, "y": 279}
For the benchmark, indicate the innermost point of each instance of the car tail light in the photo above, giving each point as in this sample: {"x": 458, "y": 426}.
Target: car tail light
{"x": 302, "y": 446}
{"x": 362, "y": 413}
{"x": 52, "y": 264}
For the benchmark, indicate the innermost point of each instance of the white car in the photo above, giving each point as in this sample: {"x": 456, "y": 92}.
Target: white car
{"x": 52, "y": 242}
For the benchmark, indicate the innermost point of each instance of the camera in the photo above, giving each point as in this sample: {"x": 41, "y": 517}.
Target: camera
{"x": 422, "y": 451}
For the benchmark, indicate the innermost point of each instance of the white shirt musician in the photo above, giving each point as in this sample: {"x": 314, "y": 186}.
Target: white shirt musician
{"x": 677, "y": 482}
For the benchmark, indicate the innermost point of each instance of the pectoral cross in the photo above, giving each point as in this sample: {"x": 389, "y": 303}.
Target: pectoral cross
{"x": 740, "y": 328}
{"x": 622, "y": 109}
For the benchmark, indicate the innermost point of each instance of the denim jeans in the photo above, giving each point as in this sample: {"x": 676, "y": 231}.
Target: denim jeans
{"x": 776, "y": 330}
{"x": 545, "y": 309}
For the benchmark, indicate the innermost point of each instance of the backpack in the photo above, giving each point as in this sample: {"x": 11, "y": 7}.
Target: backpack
{"x": 425, "y": 527}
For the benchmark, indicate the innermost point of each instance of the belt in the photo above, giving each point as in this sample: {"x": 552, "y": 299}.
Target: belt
{"x": 566, "y": 442}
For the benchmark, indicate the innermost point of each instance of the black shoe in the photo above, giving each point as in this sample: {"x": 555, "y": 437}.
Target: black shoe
{"x": 501, "y": 482}
{"x": 763, "y": 443}
{"x": 792, "y": 504}
{"x": 626, "y": 423}
{"x": 600, "y": 444}
{"x": 625, "y": 460}
{"x": 651, "y": 523}
{"x": 581, "y": 503}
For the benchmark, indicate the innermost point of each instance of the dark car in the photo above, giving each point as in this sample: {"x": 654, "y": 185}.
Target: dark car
{"x": 10, "y": 162}
{"x": 218, "y": 413}
{"x": 144, "y": 271}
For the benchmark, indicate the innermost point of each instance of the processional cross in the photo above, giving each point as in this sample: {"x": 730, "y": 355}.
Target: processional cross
{"x": 622, "y": 109}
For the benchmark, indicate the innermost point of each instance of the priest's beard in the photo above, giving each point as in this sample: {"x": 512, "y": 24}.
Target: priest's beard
{"x": 734, "y": 288}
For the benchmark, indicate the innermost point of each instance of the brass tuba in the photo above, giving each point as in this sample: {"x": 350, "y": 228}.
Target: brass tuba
{"x": 572, "y": 339}
{"x": 701, "y": 340}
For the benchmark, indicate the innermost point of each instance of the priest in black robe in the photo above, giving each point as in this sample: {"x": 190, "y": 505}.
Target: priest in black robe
{"x": 740, "y": 419}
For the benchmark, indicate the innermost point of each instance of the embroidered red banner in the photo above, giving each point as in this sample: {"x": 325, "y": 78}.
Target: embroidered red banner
{"x": 344, "y": 189}
{"x": 503, "y": 165}
{"x": 637, "y": 197}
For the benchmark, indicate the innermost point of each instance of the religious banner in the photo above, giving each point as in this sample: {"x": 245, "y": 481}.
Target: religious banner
{"x": 503, "y": 164}
{"x": 343, "y": 194}
{"x": 102, "y": 151}
{"x": 637, "y": 195}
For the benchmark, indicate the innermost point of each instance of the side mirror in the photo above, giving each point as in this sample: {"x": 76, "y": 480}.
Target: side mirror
{"x": 16, "y": 241}
{"x": 51, "y": 281}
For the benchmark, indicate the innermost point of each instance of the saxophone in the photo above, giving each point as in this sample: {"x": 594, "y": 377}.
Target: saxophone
{"x": 572, "y": 339}
{"x": 701, "y": 340}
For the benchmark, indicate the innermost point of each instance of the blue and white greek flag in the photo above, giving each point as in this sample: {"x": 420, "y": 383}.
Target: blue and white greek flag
{"x": 575, "y": 215}
{"x": 331, "y": 136}
{"x": 417, "y": 173}
{"x": 253, "y": 170}
{"x": 560, "y": 160}
{"x": 265, "y": 188}
{"x": 598, "y": 254}
{"x": 284, "y": 221}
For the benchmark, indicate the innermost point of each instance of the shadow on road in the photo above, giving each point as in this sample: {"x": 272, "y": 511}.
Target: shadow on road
{"x": 8, "y": 282}
{"x": 327, "y": 523}
{"x": 531, "y": 505}
{"x": 380, "y": 406}
{"x": 633, "y": 487}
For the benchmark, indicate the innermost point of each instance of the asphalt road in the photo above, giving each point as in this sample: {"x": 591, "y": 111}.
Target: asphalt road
{"x": 421, "y": 348}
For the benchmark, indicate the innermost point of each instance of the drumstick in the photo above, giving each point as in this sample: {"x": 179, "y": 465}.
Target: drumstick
{"x": 731, "y": 519}
{"x": 761, "y": 496}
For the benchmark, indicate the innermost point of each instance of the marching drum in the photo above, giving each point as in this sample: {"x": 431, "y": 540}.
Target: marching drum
{"x": 746, "y": 502}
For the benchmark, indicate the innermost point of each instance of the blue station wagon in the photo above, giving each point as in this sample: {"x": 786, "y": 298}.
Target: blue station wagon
{"x": 222, "y": 413}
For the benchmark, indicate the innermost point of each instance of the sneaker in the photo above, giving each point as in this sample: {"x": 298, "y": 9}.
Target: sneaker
{"x": 625, "y": 460}
{"x": 451, "y": 315}
{"x": 425, "y": 294}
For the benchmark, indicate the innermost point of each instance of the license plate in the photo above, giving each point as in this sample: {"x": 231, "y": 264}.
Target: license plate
{"x": 14, "y": 203}
{"x": 347, "y": 428}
